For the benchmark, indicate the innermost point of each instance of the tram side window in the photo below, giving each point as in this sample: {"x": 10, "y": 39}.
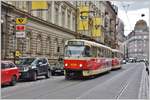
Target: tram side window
{"x": 109, "y": 54}
{"x": 103, "y": 52}
{"x": 87, "y": 51}
{"x": 94, "y": 51}
{"x": 106, "y": 53}
{"x": 113, "y": 54}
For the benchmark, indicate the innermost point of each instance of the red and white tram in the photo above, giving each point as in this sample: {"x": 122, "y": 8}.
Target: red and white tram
{"x": 85, "y": 58}
{"x": 116, "y": 59}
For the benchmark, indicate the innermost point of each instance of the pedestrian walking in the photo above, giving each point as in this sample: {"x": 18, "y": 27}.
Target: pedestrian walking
{"x": 147, "y": 66}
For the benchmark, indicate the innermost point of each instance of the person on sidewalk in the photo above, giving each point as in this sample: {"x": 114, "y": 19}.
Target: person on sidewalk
{"x": 147, "y": 66}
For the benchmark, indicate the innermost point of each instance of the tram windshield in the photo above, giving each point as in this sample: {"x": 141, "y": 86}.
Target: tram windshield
{"x": 74, "y": 51}
{"x": 78, "y": 51}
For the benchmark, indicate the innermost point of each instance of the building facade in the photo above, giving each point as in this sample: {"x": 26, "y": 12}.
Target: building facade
{"x": 46, "y": 31}
{"x": 120, "y": 35}
{"x": 108, "y": 14}
{"x": 138, "y": 41}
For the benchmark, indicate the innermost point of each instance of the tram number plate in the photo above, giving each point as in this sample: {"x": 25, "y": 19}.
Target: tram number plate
{"x": 73, "y": 64}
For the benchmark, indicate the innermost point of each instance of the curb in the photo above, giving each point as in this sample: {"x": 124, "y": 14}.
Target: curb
{"x": 144, "y": 85}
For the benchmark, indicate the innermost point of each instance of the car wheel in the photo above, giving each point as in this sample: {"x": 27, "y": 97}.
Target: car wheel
{"x": 13, "y": 81}
{"x": 34, "y": 76}
{"x": 48, "y": 74}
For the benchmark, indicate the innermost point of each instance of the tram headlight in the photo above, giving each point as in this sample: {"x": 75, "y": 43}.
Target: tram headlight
{"x": 66, "y": 64}
{"x": 80, "y": 65}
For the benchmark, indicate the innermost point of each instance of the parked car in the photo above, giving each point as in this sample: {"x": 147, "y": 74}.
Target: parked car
{"x": 132, "y": 60}
{"x": 9, "y": 73}
{"x": 57, "y": 69}
{"x": 123, "y": 61}
{"x": 33, "y": 67}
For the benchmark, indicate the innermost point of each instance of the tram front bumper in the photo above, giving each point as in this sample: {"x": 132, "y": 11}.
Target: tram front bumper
{"x": 73, "y": 73}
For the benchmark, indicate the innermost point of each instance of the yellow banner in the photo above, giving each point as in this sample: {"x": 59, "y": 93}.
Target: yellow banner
{"x": 18, "y": 53}
{"x": 21, "y": 20}
{"x": 83, "y": 25}
{"x": 96, "y": 30}
{"x": 83, "y": 12}
{"x": 37, "y": 5}
{"x": 83, "y": 18}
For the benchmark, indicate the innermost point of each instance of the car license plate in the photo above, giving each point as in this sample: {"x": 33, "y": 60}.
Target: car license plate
{"x": 58, "y": 70}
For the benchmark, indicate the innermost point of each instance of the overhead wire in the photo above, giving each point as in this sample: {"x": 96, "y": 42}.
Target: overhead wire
{"x": 126, "y": 12}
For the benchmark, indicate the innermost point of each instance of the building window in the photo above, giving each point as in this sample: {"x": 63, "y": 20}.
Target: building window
{"x": 49, "y": 13}
{"x": 56, "y": 16}
{"x": 68, "y": 22}
{"x": 24, "y": 5}
{"x": 145, "y": 37}
{"x": 73, "y": 24}
{"x": 63, "y": 45}
{"x": 48, "y": 45}
{"x": 63, "y": 18}
{"x": 56, "y": 48}
{"x": 39, "y": 14}
{"x": 38, "y": 44}
{"x": 28, "y": 42}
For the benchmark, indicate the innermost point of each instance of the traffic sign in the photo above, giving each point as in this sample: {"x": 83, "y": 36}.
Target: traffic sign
{"x": 21, "y": 20}
{"x": 21, "y": 34}
{"x": 20, "y": 27}
{"x": 18, "y": 53}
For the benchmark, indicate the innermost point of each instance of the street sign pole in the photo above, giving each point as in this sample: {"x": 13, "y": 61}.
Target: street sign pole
{"x": 14, "y": 43}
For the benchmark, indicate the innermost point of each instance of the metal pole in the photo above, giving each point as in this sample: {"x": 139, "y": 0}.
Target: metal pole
{"x": 14, "y": 42}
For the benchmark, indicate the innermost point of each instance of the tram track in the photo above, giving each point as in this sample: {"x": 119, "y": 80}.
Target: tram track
{"x": 125, "y": 85}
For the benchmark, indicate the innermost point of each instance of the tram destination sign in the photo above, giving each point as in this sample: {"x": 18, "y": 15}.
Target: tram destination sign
{"x": 76, "y": 43}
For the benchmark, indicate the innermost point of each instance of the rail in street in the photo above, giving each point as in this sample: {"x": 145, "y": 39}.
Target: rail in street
{"x": 129, "y": 82}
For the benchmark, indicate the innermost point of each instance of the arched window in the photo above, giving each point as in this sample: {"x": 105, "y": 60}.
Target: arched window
{"x": 56, "y": 48}
{"x": 48, "y": 45}
{"x": 28, "y": 42}
{"x": 39, "y": 44}
{"x": 63, "y": 45}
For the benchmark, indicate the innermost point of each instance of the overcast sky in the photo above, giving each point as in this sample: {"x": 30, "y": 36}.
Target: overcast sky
{"x": 130, "y": 12}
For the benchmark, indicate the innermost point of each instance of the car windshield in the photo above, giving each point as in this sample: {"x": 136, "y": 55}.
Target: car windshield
{"x": 74, "y": 51}
{"x": 25, "y": 61}
{"x": 4, "y": 65}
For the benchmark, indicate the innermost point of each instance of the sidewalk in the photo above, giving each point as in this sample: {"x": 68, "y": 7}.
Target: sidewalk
{"x": 144, "y": 85}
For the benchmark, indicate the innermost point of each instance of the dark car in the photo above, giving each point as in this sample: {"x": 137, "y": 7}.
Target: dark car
{"x": 31, "y": 68}
{"x": 9, "y": 73}
{"x": 57, "y": 69}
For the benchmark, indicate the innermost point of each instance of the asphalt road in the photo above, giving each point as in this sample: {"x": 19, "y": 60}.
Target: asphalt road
{"x": 118, "y": 84}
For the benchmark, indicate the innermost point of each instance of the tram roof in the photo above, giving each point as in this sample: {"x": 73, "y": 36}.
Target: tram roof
{"x": 90, "y": 42}
{"x": 115, "y": 50}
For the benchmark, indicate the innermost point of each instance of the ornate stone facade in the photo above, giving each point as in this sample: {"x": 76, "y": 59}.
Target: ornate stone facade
{"x": 43, "y": 37}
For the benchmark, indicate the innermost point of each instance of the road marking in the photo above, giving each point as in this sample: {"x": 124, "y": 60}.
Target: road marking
{"x": 107, "y": 81}
{"x": 124, "y": 87}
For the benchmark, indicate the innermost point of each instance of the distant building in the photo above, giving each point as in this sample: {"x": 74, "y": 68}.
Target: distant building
{"x": 138, "y": 41}
{"x": 120, "y": 35}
